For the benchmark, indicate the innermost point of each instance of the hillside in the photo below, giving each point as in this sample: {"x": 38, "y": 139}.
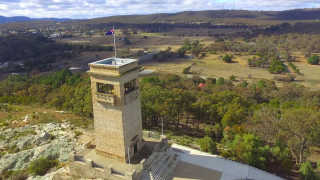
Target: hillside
{"x": 224, "y": 17}
{"x": 4, "y": 19}
{"x": 214, "y": 16}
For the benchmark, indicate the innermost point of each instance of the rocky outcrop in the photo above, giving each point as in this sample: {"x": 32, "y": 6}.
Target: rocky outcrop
{"x": 21, "y": 146}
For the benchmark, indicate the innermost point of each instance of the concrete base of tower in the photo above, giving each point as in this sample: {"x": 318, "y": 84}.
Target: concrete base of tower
{"x": 94, "y": 164}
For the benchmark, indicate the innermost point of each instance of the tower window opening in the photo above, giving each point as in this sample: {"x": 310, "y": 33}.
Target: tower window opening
{"x": 130, "y": 86}
{"x": 105, "y": 88}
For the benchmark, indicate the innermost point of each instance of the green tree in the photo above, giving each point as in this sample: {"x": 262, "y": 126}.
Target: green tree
{"x": 182, "y": 52}
{"x": 314, "y": 60}
{"x": 235, "y": 114}
{"x": 196, "y": 48}
{"x": 227, "y": 58}
{"x": 233, "y": 78}
{"x": 244, "y": 84}
{"x": 307, "y": 172}
{"x": 248, "y": 149}
{"x": 187, "y": 45}
{"x": 298, "y": 128}
{"x": 295, "y": 126}
{"x": 208, "y": 145}
{"x": 220, "y": 81}
{"x": 277, "y": 67}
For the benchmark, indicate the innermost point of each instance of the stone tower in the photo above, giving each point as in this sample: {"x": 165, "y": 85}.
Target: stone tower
{"x": 116, "y": 108}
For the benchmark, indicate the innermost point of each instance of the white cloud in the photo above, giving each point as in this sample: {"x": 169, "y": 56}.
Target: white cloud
{"x": 3, "y": 7}
{"x": 99, "y": 8}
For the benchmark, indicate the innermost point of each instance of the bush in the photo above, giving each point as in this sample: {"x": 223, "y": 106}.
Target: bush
{"x": 233, "y": 78}
{"x": 227, "y": 58}
{"x": 207, "y": 145}
{"x": 187, "y": 70}
{"x": 277, "y": 67}
{"x": 78, "y": 133}
{"x": 307, "y": 171}
{"x": 14, "y": 175}
{"x": 212, "y": 80}
{"x": 209, "y": 131}
{"x": 182, "y": 52}
{"x": 314, "y": 60}
{"x": 41, "y": 166}
{"x": 220, "y": 81}
{"x": 295, "y": 68}
{"x": 244, "y": 84}
{"x": 196, "y": 48}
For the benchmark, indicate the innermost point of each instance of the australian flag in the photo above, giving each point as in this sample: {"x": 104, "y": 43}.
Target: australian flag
{"x": 111, "y": 32}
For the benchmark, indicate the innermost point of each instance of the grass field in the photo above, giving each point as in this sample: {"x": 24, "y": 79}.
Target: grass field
{"x": 36, "y": 114}
{"x": 213, "y": 66}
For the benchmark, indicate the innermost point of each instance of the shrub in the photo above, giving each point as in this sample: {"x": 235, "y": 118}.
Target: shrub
{"x": 187, "y": 70}
{"x": 14, "y": 175}
{"x": 212, "y": 80}
{"x": 196, "y": 48}
{"x": 13, "y": 149}
{"x": 307, "y": 171}
{"x": 209, "y": 131}
{"x": 244, "y": 84}
{"x": 261, "y": 84}
{"x": 227, "y": 58}
{"x": 207, "y": 145}
{"x": 314, "y": 60}
{"x": 182, "y": 52}
{"x": 277, "y": 67}
{"x": 78, "y": 133}
{"x": 41, "y": 166}
{"x": 233, "y": 78}
{"x": 295, "y": 68}
{"x": 220, "y": 81}
{"x": 218, "y": 131}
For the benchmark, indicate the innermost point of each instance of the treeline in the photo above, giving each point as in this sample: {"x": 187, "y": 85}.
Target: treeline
{"x": 26, "y": 52}
{"x": 62, "y": 90}
{"x": 258, "y": 123}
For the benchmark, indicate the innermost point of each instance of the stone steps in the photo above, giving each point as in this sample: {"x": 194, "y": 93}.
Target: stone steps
{"x": 161, "y": 166}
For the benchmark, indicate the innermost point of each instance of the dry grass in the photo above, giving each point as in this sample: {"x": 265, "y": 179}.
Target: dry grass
{"x": 213, "y": 66}
{"x": 39, "y": 114}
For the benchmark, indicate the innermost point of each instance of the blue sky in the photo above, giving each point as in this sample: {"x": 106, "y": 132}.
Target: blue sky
{"x": 102, "y": 8}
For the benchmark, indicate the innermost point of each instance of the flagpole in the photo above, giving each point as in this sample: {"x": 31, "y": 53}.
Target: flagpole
{"x": 114, "y": 43}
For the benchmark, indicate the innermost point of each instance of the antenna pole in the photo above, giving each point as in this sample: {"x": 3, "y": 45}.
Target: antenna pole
{"x": 114, "y": 44}
{"x": 162, "y": 127}
{"x": 129, "y": 154}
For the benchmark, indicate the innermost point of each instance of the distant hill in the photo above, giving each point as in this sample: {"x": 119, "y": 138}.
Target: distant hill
{"x": 180, "y": 19}
{"x": 214, "y": 16}
{"x": 4, "y": 19}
